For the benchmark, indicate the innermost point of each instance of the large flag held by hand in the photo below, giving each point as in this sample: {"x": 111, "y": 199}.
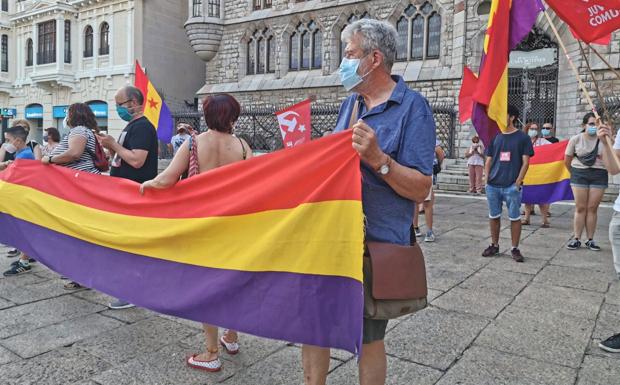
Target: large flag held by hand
{"x": 468, "y": 87}
{"x": 295, "y": 124}
{"x": 509, "y": 22}
{"x": 591, "y": 19}
{"x": 155, "y": 109}
{"x": 270, "y": 246}
{"x": 547, "y": 179}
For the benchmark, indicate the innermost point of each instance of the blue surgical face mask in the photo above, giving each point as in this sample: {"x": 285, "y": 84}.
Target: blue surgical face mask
{"x": 546, "y": 132}
{"x": 591, "y": 130}
{"x": 348, "y": 73}
{"x": 123, "y": 113}
{"x": 532, "y": 133}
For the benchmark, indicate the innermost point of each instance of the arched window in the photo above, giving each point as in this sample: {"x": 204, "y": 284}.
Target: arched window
{"x": 29, "y": 53}
{"x": 67, "y": 41}
{"x": 196, "y": 8}
{"x": 402, "y": 27}
{"x": 417, "y": 38}
{"x": 484, "y": 8}
{"x": 260, "y": 56}
{"x": 104, "y": 39}
{"x": 5, "y": 53}
{"x": 305, "y": 50}
{"x": 419, "y": 33}
{"x": 317, "y": 49}
{"x": 251, "y": 52}
{"x": 88, "y": 41}
{"x": 293, "y": 62}
{"x": 271, "y": 54}
{"x": 433, "y": 36}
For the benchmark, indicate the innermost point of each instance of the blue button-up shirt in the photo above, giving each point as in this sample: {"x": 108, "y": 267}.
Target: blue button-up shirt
{"x": 405, "y": 130}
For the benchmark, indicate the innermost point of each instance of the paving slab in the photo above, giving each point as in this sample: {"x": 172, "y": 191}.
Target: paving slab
{"x": 280, "y": 368}
{"x": 583, "y": 259}
{"x": 483, "y": 366}
{"x": 7, "y": 356}
{"x": 550, "y": 337}
{"x": 62, "y": 366}
{"x": 94, "y": 297}
{"x": 530, "y": 266}
{"x": 613, "y": 294}
{"x": 35, "y": 292}
{"x": 5, "y": 304}
{"x": 608, "y": 322}
{"x": 434, "y": 337}
{"x": 562, "y": 300}
{"x": 127, "y": 342}
{"x": 33, "y": 343}
{"x": 444, "y": 279}
{"x": 398, "y": 372}
{"x": 501, "y": 282}
{"x": 484, "y": 303}
{"x": 599, "y": 371}
{"x": 26, "y": 318}
{"x": 130, "y": 316}
{"x": 572, "y": 277}
{"x": 165, "y": 366}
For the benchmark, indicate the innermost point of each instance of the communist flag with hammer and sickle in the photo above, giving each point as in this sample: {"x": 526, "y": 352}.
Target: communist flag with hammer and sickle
{"x": 295, "y": 124}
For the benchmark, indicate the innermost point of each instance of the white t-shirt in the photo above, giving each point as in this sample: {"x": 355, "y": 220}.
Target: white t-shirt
{"x": 617, "y": 147}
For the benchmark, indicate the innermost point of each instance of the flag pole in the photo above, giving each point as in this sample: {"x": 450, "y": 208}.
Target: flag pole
{"x": 611, "y": 68}
{"x": 596, "y": 87}
{"x": 606, "y": 141}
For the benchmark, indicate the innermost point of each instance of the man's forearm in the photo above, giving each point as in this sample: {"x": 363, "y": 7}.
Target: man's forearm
{"x": 407, "y": 182}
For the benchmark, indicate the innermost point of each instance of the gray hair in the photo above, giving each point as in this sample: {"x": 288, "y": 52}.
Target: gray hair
{"x": 134, "y": 93}
{"x": 375, "y": 34}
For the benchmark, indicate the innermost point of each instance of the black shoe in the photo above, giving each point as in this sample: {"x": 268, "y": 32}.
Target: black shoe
{"x": 612, "y": 344}
{"x": 491, "y": 251}
{"x": 18, "y": 269}
{"x": 516, "y": 255}
{"x": 573, "y": 244}
{"x": 13, "y": 253}
{"x": 30, "y": 260}
{"x": 592, "y": 246}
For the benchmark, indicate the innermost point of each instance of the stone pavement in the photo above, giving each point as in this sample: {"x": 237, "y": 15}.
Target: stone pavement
{"x": 491, "y": 321}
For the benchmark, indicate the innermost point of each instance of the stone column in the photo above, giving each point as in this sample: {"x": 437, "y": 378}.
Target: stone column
{"x": 111, "y": 40}
{"x": 35, "y": 46}
{"x": 130, "y": 34}
{"x": 60, "y": 42}
{"x": 96, "y": 43}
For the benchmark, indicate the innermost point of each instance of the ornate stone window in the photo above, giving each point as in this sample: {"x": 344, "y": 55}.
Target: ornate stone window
{"x": 261, "y": 4}
{"x": 196, "y": 8}
{"x": 260, "y": 53}
{"x": 29, "y": 53}
{"x": 46, "y": 52}
{"x": 213, "y": 8}
{"x": 5, "y": 5}
{"x": 306, "y": 47}
{"x": 104, "y": 39}
{"x": 88, "y": 41}
{"x": 350, "y": 20}
{"x": 419, "y": 32}
{"x": 5, "y": 53}
{"x": 67, "y": 41}
{"x": 484, "y": 8}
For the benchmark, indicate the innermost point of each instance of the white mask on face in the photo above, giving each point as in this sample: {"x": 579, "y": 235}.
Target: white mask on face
{"x": 8, "y": 147}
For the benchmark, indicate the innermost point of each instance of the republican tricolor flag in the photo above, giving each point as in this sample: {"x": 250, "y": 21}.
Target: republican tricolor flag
{"x": 155, "y": 109}
{"x": 547, "y": 179}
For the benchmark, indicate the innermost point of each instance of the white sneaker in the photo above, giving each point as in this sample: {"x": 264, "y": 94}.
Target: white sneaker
{"x": 430, "y": 237}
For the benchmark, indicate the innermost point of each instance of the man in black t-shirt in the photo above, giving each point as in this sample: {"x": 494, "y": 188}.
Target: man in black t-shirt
{"x": 508, "y": 157}
{"x": 134, "y": 156}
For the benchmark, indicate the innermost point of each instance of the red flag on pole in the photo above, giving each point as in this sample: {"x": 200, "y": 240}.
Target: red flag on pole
{"x": 590, "y": 19}
{"x": 605, "y": 40}
{"x": 295, "y": 124}
{"x": 468, "y": 86}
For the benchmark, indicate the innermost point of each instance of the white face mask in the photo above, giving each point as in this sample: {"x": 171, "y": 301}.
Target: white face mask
{"x": 8, "y": 147}
{"x": 65, "y": 125}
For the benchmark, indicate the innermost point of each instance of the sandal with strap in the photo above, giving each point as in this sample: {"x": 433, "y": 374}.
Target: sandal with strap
{"x": 208, "y": 366}
{"x": 231, "y": 348}
{"x": 525, "y": 222}
{"x": 72, "y": 286}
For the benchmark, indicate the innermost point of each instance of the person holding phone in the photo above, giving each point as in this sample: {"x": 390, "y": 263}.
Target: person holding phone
{"x": 508, "y": 158}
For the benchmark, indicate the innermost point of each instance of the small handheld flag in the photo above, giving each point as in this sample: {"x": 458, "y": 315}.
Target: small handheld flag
{"x": 155, "y": 109}
{"x": 295, "y": 124}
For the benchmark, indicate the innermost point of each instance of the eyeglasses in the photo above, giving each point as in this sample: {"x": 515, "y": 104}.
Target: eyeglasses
{"x": 126, "y": 101}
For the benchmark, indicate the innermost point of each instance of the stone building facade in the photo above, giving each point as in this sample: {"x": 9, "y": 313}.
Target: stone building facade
{"x": 276, "y": 52}
{"x": 55, "y": 53}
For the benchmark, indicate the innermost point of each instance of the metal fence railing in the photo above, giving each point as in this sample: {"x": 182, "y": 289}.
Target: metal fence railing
{"x": 613, "y": 107}
{"x": 258, "y": 125}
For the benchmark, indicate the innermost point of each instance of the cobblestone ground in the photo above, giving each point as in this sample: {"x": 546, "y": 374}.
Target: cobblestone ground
{"x": 491, "y": 321}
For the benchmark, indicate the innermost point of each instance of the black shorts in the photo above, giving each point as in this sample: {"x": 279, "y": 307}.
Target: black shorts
{"x": 589, "y": 178}
{"x": 374, "y": 330}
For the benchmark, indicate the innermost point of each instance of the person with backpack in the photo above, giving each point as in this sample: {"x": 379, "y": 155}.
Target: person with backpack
{"x": 588, "y": 179}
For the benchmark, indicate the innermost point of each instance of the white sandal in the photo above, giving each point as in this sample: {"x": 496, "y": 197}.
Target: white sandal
{"x": 231, "y": 348}
{"x": 209, "y": 366}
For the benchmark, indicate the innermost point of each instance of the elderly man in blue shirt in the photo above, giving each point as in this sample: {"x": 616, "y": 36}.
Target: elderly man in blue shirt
{"x": 393, "y": 131}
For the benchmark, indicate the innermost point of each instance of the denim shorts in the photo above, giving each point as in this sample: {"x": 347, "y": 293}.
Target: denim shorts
{"x": 589, "y": 178}
{"x": 511, "y": 195}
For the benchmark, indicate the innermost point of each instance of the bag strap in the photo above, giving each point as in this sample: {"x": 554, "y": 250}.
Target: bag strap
{"x": 354, "y": 113}
{"x": 245, "y": 152}
{"x": 193, "y": 157}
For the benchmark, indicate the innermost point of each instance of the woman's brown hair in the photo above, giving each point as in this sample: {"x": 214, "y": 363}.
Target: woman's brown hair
{"x": 80, "y": 114}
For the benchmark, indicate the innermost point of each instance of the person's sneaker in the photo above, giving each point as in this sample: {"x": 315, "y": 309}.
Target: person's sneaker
{"x": 592, "y": 246}
{"x": 573, "y": 244}
{"x": 17, "y": 269}
{"x": 516, "y": 255}
{"x": 612, "y": 344}
{"x": 30, "y": 260}
{"x": 430, "y": 237}
{"x": 13, "y": 253}
{"x": 491, "y": 251}
{"x": 120, "y": 304}
{"x": 418, "y": 233}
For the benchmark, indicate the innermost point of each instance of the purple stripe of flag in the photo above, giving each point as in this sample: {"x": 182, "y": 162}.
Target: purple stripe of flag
{"x": 311, "y": 309}
{"x": 548, "y": 193}
{"x": 165, "y": 125}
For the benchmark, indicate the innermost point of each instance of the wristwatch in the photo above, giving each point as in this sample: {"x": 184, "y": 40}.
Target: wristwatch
{"x": 385, "y": 168}
{"x": 49, "y": 159}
